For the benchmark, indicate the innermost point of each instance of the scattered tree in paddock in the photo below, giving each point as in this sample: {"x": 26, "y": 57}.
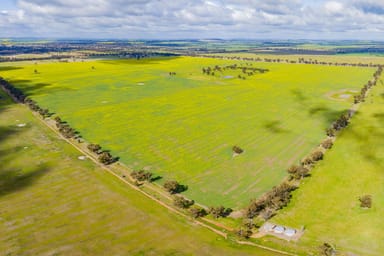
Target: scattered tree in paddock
{"x": 327, "y": 250}
{"x": 182, "y": 202}
{"x": 237, "y": 149}
{"x": 366, "y": 201}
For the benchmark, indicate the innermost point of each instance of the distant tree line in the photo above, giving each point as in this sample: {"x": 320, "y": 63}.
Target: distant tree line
{"x": 15, "y": 93}
{"x": 363, "y": 92}
{"x": 246, "y": 71}
{"x": 298, "y": 61}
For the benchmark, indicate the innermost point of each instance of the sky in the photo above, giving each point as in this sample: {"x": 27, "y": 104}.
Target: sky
{"x": 193, "y": 19}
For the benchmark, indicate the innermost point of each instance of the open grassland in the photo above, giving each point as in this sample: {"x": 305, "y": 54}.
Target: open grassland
{"x": 52, "y": 203}
{"x": 327, "y": 204}
{"x": 183, "y": 126}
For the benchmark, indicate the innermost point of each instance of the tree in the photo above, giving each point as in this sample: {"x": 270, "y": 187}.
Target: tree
{"x": 327, "y": 143}
{"x": 197, "y": 212}
{"x": 307, "y": 161}
{"x": 317, "y": 155}
{"x": 327, "y": 250}
{"x": 182, "y": 202}
{"x": 219, "y": 211}
{"x": 106, "y": 158}
{"x": 331, "y": 132}
{"x": 94, "y": 147}
{"x": 298, "y": 172}
{"x": 174, "y": 187}
{"x": 365, "y": 201}
{"x": 141, "y": 175}
{"x": 237, "y": 149}
{"x": 244, "y": 233}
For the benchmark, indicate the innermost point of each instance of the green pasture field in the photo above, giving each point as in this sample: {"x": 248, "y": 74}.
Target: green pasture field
{"x": 52, "y": 203}
{"x": 184, "y": 126}
{"x": 327, "y": 203}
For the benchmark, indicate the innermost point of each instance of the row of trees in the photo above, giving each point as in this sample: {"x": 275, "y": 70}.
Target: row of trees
{"x": 249, "y": 71}
{"x": 15, "y": 93}
{"x": 64, "y": 128}
{"x": 267, "y": 205}
{"x": 104, "y": 156}
{"x": 291, "y": 61}
{"x": 363, "y": 92}
{"x": 19, "y": 96}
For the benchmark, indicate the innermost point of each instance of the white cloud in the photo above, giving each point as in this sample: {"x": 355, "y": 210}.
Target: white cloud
{"x": 335, "y": 19}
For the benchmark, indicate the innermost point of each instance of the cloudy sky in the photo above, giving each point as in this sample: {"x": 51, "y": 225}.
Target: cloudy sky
{"x": 181, "y": 19}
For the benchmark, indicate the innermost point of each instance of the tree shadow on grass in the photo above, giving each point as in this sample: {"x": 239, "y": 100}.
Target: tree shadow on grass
{"x": 8, "y": 68}
{"x": 29, "y": 87}
{"x": 14, "y": 180}
{"x": 328, "y": 114}
{"x": 275, "y": 126}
